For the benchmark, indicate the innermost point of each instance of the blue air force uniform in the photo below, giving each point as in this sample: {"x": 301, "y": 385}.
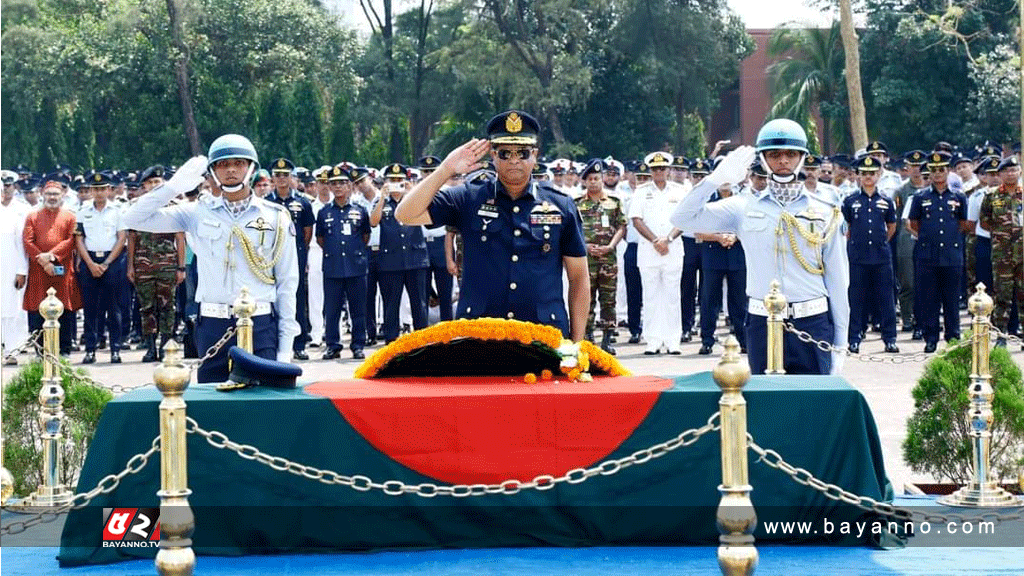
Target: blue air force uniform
{"x": 720, "y": 263}
{"x": 403, "y": 261}
{"x": 513, "y": 249}
{"x": 871, "y": 270}
{"x": 343, "y": 232}
{"x": 301, "y": 212}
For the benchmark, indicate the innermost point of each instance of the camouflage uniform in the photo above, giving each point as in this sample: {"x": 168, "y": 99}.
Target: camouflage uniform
{"x": 1001, "y": 216}
{"x": 155, "y": 263}
{"x": 601, "y": 220}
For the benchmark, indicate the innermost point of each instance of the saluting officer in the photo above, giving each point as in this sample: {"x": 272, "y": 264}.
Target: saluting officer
{"x": 517, "y": 234}
{"x": 787, "y": 234}
{"x": 403, "y": 256}
{"x": 604, "y": 225}
{"x": 342, "y": 230}
{"x": 239, "y": 241}
{"x": 301, "y": 212}
{"x": 100, "y": 238}
{"x": 1001, "y": 215}
{"x": 938, "y": 216}
{"x": 872, "y": 222}
{"x": 436, "y": 238}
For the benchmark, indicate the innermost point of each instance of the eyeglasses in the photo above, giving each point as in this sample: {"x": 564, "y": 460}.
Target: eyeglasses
{"x": 506, "y": 153}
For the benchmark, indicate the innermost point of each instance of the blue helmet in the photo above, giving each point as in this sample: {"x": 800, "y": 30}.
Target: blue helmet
{"x": 783, "y": 134}
{"x": 232, "y": 146}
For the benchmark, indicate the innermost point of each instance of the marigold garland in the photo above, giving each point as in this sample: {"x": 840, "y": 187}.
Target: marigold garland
{"x": 577, "y": 359}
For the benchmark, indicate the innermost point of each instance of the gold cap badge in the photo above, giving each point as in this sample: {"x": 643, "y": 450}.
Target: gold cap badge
{"x": 513, "y": 123}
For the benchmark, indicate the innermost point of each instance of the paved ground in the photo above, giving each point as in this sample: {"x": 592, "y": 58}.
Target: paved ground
{"x": 886, "y": 386}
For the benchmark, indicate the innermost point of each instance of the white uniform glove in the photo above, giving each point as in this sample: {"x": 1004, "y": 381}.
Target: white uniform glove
{"x": 733, "y": 168}
{"x": 838, "y": 360}
{"x": 188, "y": 176}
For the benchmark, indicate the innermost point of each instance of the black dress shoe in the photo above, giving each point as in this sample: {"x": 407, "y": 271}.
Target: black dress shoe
{"x": 917, "y": 335}
{"x": 300, "y": 355}
{"x": 891, "y": 348}
{"x": 705, "y": 349}
{"x": 103, "y": 344}
{"x": 687, "y": 337}
{"x": 908, "y": 328}
{"x": 634, "y": 339}
{"x": 90, "y": 358}
{"x": 930, "y": 347}
{"x": 371, "y": 342}
{"x": 115, "y": 357}
{"x": 651, "y": 352}
{"x": 854, "y": 347}
{"x": 332, "y": 354}
{"x": 358, "y": 354}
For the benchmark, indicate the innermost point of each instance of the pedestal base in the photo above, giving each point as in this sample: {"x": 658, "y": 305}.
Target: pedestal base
{"x": 40, "y": 501}
{"x": 981, "y": 496}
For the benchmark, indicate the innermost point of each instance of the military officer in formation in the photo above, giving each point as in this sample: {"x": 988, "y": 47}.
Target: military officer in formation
{"x": 910, "y": 314}
{"x": 443, "y": 280}
{"x": 722, "y": 260}
{"x": 343, "y": 231}
{"x": 301, "y": 211}
{"x": 1001, "y": 216}
{"x": 239, "y": 241}
{"x": 938, "y": 216}
{"x": 871, "y": 218}
{"x": 604, "y": 225}
{"x": 518, "y": 235}
{"x": 100, "y": 240}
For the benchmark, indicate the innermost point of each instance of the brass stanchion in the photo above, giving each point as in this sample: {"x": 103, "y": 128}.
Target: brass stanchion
{"x": 775, "y": 303}
{"x": 243, "y": 309}
{"x": 6, "y": 478}
{"x": 736, "y": 517}
{"x": 51, "y": 492}
{"x": 175, "y": 557}
{"x": 982, "y": 491}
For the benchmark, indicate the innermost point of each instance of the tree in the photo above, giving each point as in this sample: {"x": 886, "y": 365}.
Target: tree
{"x": 808, "y": 79}
{"x": 854, "y": 95}
{"x": 176, "y": 10}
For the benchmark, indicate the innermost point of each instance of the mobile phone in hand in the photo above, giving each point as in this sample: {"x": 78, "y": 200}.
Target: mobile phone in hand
{"x": 58, "y": 270}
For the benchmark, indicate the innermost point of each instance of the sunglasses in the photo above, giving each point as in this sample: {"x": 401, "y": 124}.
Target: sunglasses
{"x": 522, "y": 153}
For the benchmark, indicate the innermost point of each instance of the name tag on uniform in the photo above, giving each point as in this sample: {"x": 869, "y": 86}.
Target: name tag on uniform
{"x": 755, "y": 214}
{"x": 604, "y": 220}
{"x": 926, "y": 203}
{"x": 487, "y": 211}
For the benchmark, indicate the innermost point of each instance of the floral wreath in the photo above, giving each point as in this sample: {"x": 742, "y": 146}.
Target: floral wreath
{"x": 490, "y": 346}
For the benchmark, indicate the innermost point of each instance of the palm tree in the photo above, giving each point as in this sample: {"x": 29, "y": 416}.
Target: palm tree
{"x": 807, "y": 81}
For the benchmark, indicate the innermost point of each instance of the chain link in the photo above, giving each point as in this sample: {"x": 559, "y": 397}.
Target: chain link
{"x": 107, "y": 485}
{"x": 888, "y": 358}
{"x": 834, "y": 492}
{"x": 996, "y": 333}
{"x": 427, "y": 490}
{"x": 30, "y": 342}
{"x": 69, "y": 371}
{"x": 215, "y": 348}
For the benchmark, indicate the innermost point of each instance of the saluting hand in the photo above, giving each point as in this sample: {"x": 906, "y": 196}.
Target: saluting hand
{"x": 466, "y": 158}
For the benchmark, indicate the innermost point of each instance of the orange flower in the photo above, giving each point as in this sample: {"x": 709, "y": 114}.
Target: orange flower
{"x": 546, "y": 374}
{"x": 530, "y": 378}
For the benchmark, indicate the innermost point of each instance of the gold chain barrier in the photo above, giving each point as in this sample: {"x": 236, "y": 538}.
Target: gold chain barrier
{"x": 736, "y": 517}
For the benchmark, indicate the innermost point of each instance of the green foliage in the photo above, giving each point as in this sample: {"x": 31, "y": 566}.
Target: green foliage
{"x": 83, "y": 405}
{"x": 938, "y": 440}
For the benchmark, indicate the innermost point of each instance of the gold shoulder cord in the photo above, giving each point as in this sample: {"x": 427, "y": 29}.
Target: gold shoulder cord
{"x": 262, "y": 268}
{"x": 788, "y": 223}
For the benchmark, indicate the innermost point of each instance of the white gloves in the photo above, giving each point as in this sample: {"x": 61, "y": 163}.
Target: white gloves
{"x": 188, "y": 176}
{"x": 733, "y": 168}
{"x": 838, "y": 360}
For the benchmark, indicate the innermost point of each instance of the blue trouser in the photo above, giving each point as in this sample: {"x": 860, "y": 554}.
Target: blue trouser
{"x": 872, "y": 282}
{"x": 337, "y": 291}
{"x": 938, "y": 286}
{"x": 302, "y": 306}
{"x": 688, "y": 282}
{"x": 102, "y": 296}
{"x": 209, "y": 331}
{"x": 797, "y": 357}
{"x": 442, "y": 279}
{"x": 711, "y": 302}
{"x": 415, "y": 283}
{"x": 634, "y": 290}
{"x": 372, "y": 281}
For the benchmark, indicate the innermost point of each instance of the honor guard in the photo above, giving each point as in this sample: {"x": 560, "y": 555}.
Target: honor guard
{"x": 1001, "y": 216}
{"x": 939, "y": 217}
{"x": 239, "y": 242}
{"x": 403, "y": 256}
{"x": 100, "y": 240}
{"x": 342, "y": 231}
{"x": 301, "y": 212}
{"x": 518, "y": 235}
{"x": 872, "y": 222}
{"x": 604, "y": 225}
{"x": 788, "y": 235}
{"x": 438, "y": 272}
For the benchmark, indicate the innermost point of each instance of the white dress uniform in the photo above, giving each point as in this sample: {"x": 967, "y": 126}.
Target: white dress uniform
{"x": 659, "y": 275}
{"x": 315, "y": 258}
{"x": 14, "y": 325}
